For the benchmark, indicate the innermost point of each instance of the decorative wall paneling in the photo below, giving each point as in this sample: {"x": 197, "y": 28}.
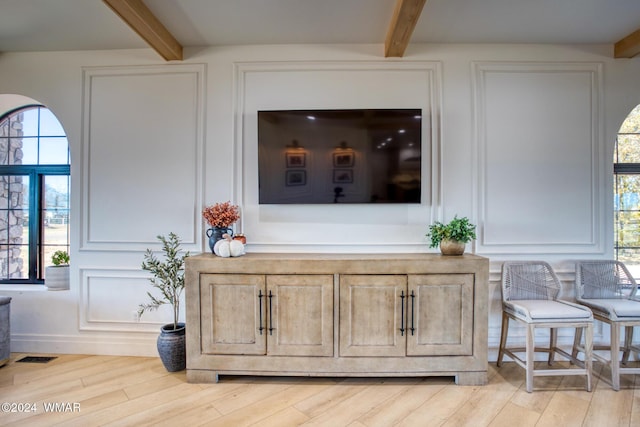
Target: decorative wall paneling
{"x": 540, "y": 157}
{"x": 142, "y": 156}
{"x": 340, "y": 85}
{"x": 109, "y": 300}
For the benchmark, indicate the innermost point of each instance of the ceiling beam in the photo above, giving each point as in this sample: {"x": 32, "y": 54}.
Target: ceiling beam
{"x": 138, "y": 16}
{"x": 628, "y": 47}
{"x": 403, "y": 22}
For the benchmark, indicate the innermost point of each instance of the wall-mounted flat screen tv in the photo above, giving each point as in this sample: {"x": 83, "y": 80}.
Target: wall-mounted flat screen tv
{"x": 340, "y": 156}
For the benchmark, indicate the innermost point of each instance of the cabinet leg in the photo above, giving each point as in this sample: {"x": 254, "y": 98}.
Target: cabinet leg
{"x": 471, "y": 378}
{"x": 198, "y": 376}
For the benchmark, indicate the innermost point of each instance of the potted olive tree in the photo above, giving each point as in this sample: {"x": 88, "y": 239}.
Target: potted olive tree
{"x": 168, "y": 279}
{"x": 453, "y": 236}
{"x": 56, "y": 276}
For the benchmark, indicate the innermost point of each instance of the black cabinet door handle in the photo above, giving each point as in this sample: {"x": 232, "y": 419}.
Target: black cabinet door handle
{"x": 270, "y": 313}
{"x": 402, "y": 297}
{"x": 260, "y": 295}
{"x": 413, "y": 298}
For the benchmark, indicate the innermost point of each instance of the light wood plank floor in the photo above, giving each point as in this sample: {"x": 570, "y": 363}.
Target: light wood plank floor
{"x": 127, "y": 391}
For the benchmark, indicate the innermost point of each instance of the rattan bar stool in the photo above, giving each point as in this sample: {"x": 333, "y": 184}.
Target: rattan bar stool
{"x": 609, "y": 290}
{"x": 529, "y": 296}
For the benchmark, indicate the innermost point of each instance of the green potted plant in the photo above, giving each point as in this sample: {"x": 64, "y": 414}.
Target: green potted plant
{"x": 453, "y": 236}
{"x": 56, "y": 276}
{"x": 168, "y": 279}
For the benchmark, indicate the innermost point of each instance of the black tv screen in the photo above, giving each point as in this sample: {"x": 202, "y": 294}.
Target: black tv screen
{"x": 339, "y": 156}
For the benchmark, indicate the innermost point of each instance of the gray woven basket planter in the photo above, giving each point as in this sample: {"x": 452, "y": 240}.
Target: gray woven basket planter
{"x": 5, "y": 330}
{"x": 172, "y": 347}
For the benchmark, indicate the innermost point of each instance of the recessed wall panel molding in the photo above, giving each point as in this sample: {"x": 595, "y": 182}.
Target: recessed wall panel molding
{"x": 540, "y": 144}
{"x": 141, "y": 155}
{"x": 340, "y": 85}
{"x": 109, "y": 301}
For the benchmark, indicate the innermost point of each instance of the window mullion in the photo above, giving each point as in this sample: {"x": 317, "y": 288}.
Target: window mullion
{"x": 626, "y": 168}
{"x": 34, "y": 231}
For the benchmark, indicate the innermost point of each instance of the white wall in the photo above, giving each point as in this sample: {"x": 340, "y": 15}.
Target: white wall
{"x": 521, "y": 138}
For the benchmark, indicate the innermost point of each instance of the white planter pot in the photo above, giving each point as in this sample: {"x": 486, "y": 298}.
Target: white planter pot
{"x": 56, "y": 278}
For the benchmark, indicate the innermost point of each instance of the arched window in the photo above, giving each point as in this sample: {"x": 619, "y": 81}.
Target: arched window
{"x": 626, "y": 167}
{"x": 34, "y": 193}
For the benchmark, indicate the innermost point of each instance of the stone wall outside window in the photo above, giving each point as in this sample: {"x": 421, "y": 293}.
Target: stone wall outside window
{"x": 12, "y": 201}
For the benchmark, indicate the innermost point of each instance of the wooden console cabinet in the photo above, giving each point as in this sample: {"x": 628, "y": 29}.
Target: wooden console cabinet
{"x": 337, "y": 315}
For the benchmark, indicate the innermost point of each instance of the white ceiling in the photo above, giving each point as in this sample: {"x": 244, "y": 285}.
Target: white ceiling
{"x": 50, "y": 25}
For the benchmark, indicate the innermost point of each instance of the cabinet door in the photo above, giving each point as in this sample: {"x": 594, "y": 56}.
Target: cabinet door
{"x": 440, "y": 315}
{"x": 371, "y": 315}
{"x": 233, "y": 311}
{"x": 300, "y": 320}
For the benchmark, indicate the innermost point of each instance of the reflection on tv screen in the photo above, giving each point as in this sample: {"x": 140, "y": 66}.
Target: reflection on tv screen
{"x": 339, "y": 156}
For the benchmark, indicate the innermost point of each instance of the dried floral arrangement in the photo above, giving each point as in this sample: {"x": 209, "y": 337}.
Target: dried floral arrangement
{"x": 221, "y": 214}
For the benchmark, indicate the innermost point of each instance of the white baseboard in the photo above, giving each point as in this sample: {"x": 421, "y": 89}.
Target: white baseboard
{"x": 138, "y": 345}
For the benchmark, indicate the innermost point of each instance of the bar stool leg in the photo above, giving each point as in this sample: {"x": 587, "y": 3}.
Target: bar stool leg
{"x": 628, "y": 340}
{"x": 503, "y": 337}
{"x": 530, "y": 347}
{"x": 588, "y": 354}
{"x": 553, "y": 339}
{"x": 577, "y": 339}
{"x": 614, "y": 362}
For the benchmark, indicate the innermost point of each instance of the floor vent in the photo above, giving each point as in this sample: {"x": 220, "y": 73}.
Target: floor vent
{"x": 36, "y": 359}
